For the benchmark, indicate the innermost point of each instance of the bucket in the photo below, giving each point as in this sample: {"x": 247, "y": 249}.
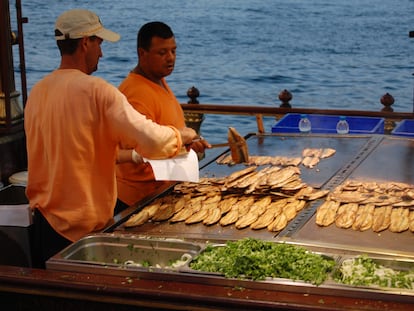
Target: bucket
{"x": 19, "y": 178}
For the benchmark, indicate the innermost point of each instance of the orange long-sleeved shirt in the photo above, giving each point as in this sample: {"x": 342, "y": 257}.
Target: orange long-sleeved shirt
{"x": 158, "y": 104}
{"x": 74, "y": 123}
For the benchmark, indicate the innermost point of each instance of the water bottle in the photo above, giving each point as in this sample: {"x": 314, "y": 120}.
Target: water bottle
{"x": 342, "y": 127}
{"x": 304, "y": 124}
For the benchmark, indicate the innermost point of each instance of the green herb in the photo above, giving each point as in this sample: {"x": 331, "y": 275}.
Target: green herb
{"x": 146, "y": 263}
{"x": 255, "y": 259}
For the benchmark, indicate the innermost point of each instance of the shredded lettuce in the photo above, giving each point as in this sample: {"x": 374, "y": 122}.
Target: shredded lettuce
{"x": 364, "y": 271}
{"x": 257, "y": 260}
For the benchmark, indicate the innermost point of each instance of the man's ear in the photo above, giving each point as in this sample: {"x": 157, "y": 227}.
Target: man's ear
{"x": 140, "y": 52}
{"x": 84, "y": 42}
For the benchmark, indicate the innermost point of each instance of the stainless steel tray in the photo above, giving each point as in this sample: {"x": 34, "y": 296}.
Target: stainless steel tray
{"x": 107, "y": 253}
{"x": 398, "y": 263}
{"x": 116, "y": 253}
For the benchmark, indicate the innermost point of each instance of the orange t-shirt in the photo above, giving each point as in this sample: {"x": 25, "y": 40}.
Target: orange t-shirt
{"x": 74, "y": 123}
{"x": 158, "y": 104}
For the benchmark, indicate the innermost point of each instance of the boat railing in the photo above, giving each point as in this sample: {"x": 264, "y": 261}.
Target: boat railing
{"x": 195, "y": 110}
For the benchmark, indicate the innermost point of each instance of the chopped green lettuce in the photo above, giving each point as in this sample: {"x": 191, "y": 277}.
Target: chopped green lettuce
{"x": 255, "y": 259}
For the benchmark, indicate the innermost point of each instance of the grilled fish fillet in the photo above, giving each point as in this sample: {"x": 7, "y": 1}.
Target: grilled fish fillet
{"x": 165, "y": 212}
{"x": 399, "y": 219}
{"x": 260, "y": 205}
{"x": 226, "y": 204}
{"x": 311, "y": 152}
{"x": 181, "y": 202}
{"x": 214, "y": 199}
{"x": 263, "y": 220}
{"x": 310, "y": 162}
{"x": 244, "y": 204}
{"x": 404, "y": 203}
{"x": 246, "y": 220}
{"x": 316, "y": 194}
{"x": 273, "y": 210}
{"x": 230, "y": 218}
{"x": 411, "y": 221}
{"x": 144, "y": 215}
{"x": 326, "y": 213}
{"x": 182, "y": 215}
{"x": 364, "y": 217}
{"x": 237, "y": 174}
{"x": 281, "y": 176}
{"x": 214, "y": 215}
{"x": 382, "y": 218}
{"x": 197, "y": 216}
{"x": 299, "y": 205}
{"x": 137, "y": 219}
{"x": 246, "y": 180}
{"x": 290, "y": 210}
{"x": 346, "y": 214}
{"x": 347, "y": 197}
{"x": 292, "y": 161}
{"x": 327, "y": 152}
{"x": 279, "y": 223}
{"x": 260, "y": 179}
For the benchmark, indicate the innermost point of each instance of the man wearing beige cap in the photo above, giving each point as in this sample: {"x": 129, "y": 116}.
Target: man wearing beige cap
{"x": 74, "y": 123}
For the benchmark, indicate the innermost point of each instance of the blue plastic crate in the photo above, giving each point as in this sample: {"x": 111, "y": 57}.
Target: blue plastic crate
{"x": 326, "y": 124}
{"x": 404, "y": 128}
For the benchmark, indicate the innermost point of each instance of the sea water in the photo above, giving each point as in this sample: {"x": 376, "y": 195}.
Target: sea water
{"x": 328, "y": 54}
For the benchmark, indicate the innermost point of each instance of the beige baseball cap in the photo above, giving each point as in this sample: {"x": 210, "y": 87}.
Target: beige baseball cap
{"x": 79, "y": 23}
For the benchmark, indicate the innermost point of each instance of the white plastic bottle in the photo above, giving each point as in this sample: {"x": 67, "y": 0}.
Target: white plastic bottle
{"x": 305, "y": 125}
{"x": 342, "y": 127}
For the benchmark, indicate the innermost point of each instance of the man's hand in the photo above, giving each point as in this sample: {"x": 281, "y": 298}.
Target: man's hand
{"x": 200, "y": 145}
{"x": 188, "y": 135}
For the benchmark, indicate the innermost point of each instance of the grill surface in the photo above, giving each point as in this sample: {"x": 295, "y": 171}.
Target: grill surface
{"x": 352, "y": 152}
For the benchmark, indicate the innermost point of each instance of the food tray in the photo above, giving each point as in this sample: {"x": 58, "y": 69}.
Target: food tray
{"x": 396, "y": 264}
{"x": 339, "y": 256}
{"x": 404, "y": 128}
{"x": 96, "y": 253}
{"x": 123, "y": 252}
{"x": 327, "y": 124}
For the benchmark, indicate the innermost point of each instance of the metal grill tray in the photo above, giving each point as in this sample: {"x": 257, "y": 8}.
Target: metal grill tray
{"x": 390, "y": 160}
{"x": 350, "y": 150}
{"x": 291, "y": 145}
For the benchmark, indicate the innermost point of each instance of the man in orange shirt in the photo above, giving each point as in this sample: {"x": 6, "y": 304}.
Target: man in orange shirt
{"x": 74, "y": 123}
{"x": 148, "y": 92}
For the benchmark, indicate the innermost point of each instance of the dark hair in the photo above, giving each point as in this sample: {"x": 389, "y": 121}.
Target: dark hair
{"x": 150, "y": 30}
{"x": 67, "y": 46}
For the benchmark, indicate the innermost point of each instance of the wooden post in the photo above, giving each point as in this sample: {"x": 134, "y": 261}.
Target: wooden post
{"x": 11, "y": 111}
{"x": 13, "y": 157}
{"x": 193, "y": 120}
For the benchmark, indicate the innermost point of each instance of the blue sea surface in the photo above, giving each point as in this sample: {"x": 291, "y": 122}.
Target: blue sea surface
{"x": 328, "y": 54}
